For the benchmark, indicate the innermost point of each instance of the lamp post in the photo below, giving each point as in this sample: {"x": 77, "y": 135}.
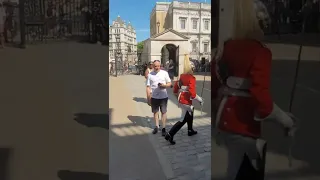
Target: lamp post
{"x": 158, "y": 25}
{"x": 118, "y": 53}
{"x": 139, "y": 62}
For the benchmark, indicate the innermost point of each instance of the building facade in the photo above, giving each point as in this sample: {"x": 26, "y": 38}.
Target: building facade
{"x": 123, "y": 38}
{"x": 191, "y": 19}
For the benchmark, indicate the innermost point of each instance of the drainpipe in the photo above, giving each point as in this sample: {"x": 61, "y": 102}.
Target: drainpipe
{"x": 199, "y": 35}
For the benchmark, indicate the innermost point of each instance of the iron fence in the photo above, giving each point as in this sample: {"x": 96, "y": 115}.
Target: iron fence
{"x": 288, "y": 16}
{"x": 34, "y": 21}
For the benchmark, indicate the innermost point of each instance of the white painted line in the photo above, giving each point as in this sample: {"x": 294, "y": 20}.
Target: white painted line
{"x": 303, "y": 86}
{"x": 308, "y": 88}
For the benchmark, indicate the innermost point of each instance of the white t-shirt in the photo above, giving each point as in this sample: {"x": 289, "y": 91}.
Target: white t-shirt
{"x": 154, "y": 78}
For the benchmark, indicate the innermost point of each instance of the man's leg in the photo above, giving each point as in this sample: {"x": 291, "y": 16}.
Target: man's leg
{"x": 155, "y": 110}
{"x": 163, "y": 108}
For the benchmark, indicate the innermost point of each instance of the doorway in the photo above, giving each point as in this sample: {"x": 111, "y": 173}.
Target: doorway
{"x": 171, "y": 52}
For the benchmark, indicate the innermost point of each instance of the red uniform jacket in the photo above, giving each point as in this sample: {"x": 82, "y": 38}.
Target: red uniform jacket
{"x": 186, "y": 80}
{"x": 246, "y": 59}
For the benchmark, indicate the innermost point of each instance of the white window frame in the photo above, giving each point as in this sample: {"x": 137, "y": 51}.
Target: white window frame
{"x": 194, "y": 46}
{"x": 205, "y": 50}
{"x": 206, "y": 24}
{"x": 194, "y": 23}
{"x": 185, "y": 23}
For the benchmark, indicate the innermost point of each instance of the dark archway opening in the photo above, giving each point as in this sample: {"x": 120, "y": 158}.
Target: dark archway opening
{"x": 170, "y": 52}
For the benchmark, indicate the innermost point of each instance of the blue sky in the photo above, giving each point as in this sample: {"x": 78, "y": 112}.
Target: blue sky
{"x": 137, "y": 12}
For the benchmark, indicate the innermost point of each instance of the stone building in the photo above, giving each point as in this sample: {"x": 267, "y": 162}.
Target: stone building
{"x": 122, "y": 36}
{"x": 191, "y": 19}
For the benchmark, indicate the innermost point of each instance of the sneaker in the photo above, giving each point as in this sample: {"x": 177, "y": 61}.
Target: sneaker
{"x": 155, "y": 130}
{"x": 163, "y": 132}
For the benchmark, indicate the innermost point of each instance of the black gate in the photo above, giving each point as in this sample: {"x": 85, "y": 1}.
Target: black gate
{"x": 34, "y": 21}
{"x": 288, "y": 16}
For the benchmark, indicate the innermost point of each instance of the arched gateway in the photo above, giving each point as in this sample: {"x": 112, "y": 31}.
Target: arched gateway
{"x": 167, "y": 45}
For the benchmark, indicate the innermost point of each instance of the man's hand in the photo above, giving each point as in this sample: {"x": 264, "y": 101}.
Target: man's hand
{"x": 149, "y": 101}
{"x": 162, "y": 86}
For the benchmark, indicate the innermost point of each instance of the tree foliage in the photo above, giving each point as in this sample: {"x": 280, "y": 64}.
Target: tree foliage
{"x": 140, "y": 46}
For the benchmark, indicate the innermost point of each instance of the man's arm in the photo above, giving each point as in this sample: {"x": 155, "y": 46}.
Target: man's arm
{"x": 168, "y": 80}
{"x": 148, "y": 89}
{"x": 146, "y": 73}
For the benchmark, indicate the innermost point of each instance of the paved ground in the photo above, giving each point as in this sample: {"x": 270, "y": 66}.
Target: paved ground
{"x": 131, "y": 152}
{"x": 190, "y": 157}
{"x": 41, "y": 88}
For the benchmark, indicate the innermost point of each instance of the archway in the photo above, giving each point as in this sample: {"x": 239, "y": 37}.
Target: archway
{"x": 170, "y": 51}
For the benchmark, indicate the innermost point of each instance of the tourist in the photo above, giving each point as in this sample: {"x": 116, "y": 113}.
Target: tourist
{"x": 157, "y": 82}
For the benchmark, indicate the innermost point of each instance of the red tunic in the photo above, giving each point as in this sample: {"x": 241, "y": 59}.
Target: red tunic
{"x": 189, "y": 81}
{"x": 252, "y": 60}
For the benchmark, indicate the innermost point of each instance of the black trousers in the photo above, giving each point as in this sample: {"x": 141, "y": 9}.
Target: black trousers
{"x": 188, "y": 118}
{"x": 247, "y": 171}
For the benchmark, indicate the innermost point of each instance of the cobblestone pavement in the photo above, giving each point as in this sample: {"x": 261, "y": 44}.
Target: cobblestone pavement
{"x": 190, "y": 158}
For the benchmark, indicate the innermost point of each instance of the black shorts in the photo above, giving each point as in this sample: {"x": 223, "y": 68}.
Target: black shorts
{"x": 159, "y": 103}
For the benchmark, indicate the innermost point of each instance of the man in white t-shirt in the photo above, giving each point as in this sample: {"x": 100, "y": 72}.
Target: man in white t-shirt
{"x": 157, "y": 82}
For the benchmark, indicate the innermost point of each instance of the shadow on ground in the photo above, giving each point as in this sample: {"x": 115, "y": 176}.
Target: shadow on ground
{"x": 137, "y": 120}
{"x": 139, "y": 99}
{"x": 74, "y": 175}
{"x": 5, "y": 154}
{"x": 93, "y": 120}
{"x": 306, "y": 107}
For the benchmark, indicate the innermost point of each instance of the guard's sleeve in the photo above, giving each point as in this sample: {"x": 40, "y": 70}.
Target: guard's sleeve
{"x": 192, "y": 87}
{"x": 175, "y": 87}
{"x": 260, "y": 74}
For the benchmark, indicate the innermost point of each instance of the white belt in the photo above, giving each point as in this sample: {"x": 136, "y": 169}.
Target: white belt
{"x": 226, "y": 93}
{"x": 181, "y": 90}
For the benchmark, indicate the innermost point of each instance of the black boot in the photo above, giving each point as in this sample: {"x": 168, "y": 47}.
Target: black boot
{"x": 189, "y": 118}
{"x": 175, "y": 128}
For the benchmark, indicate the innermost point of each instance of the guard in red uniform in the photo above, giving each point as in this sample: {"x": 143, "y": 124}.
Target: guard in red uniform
{"x": 185, "y": 91}
{"x": 241, "y": 96}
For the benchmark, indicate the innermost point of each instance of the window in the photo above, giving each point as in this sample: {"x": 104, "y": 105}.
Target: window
{"x": 205, "y": 47}
{"x": 182, "y": 23}
{"x": 194, "y": 24}
{"x": 194, "y": 46}
{"x": 206, "y": 24}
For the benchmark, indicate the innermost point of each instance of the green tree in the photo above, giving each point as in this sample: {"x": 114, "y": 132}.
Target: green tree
{"x": 140, "y": 46}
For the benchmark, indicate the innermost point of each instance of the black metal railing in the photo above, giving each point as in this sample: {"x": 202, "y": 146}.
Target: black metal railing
{"x": 34, "y": 21}
{"x": 288, "y": 16}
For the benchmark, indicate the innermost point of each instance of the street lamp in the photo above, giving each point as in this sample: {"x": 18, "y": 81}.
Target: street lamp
{"x": 158, "y": 25}
{"x": 118, "y": 53}
{"x": 139, "y": 63}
